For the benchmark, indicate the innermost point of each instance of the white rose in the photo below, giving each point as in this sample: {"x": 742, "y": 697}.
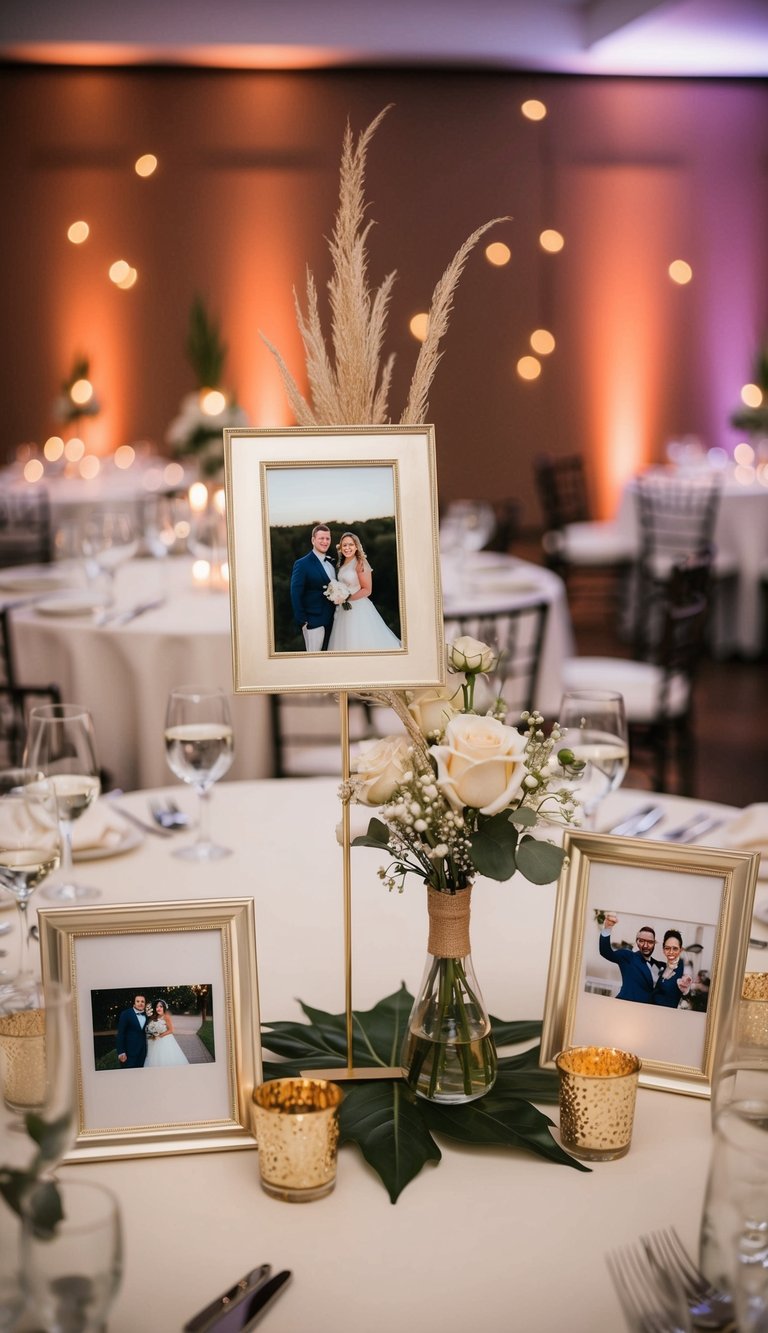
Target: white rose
{"x": 382, "y": 766}
{"x": 468, "y": 654}
{"x": 480, "y": 763}
{"x": 432, "y": 709}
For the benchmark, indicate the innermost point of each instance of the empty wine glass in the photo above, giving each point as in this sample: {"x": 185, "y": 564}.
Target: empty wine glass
{"x": 29, "y": 846}
{"x": 199, "y": 748}
{"x": 72, "y": 1275}
{"x": 60, "y": 744}
{"x": 595, "y": 724}
{"x": 109, "y": 539}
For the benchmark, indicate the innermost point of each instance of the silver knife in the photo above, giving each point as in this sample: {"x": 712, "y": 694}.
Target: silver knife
{"x": 127, "y": 616}
{"x": 692, "y": 829}
{"x": 140, "y": 823}
{"x": 639, "y": 822}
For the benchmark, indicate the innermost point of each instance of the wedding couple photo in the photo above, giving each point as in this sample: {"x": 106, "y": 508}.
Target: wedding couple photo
{"x": 645, "y": 960}
{"x": 334, "y": 559}
{"x": 153, "y": 1027}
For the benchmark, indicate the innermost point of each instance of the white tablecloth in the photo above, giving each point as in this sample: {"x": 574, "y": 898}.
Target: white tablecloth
{"x": 489, "y": 1239}
{"x": 741, "y": 531}
{"x": 124, "y": 673}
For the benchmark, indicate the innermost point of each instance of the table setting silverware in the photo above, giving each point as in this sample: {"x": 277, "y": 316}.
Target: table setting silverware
{"x": 638, "y": 822}
{"x": 693, "y": 828}
{"x": 143, "y": 824}
{"x": 650, "y": 1299}
{"x": 126, "y": 617}
{"x": 242, "y": 1306}
{"x": 168, "y": 815}
{"x": 709, "y": 1308}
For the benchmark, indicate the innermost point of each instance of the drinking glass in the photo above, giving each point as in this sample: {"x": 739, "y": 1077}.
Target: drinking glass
{"x": 30, "y": 847}
{"x": 199, "y": 748}
{"x": 37, "y": 1078}
{"x": 595, "y": 724}
{"x": 734, "y": 1228}
{"x": 109, "y": 539}
{"x": 60, "y": 744}
{"x": 72, "y": 1275}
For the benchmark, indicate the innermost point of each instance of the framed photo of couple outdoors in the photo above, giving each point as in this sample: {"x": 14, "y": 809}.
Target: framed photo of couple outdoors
{"x": 165, "y": 1023}
{"x": 334, "y": 565}
{"x": 648, "y": 953}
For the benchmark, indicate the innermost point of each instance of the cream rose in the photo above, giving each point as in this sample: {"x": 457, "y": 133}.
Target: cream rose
{"x": 381, "y": 765}
{"x": 468, "y": 654}
{"x": 432, "y": 709}
{"x": 480, "y": 763}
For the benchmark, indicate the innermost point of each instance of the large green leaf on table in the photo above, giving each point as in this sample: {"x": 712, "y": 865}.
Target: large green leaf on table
{"x": 391, "y": 1126}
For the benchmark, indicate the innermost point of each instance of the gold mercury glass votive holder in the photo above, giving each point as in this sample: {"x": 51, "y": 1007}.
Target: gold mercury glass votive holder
{"x": 22, "y": 1059}
{"x": 753, "y": 1010}
{"x": 296, "y": 1123}
{"x": 598, "y": 1088}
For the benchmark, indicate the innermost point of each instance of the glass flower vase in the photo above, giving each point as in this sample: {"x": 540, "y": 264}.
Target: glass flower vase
{"x": 449, "y": 1056}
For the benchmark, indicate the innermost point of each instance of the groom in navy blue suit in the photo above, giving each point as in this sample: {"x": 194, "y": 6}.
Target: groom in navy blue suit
{"x": 132, "y": 1035}
{"x": 312, "y": 610}
{"x": 638, "y": 978}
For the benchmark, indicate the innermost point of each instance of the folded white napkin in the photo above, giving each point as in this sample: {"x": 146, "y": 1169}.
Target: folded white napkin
{"x": 100, "y": 826}
{"x": 748, "y": 832}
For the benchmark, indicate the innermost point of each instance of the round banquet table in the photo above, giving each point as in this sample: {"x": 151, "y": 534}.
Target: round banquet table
{"x": 123, "y": 673}
{"x": 741, "y": 531}
{"x": 489, "y": 1238}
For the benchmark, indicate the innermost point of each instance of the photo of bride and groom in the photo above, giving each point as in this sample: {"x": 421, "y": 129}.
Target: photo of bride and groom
{"x": 154, "y": 1028}
{"x": 324, "y": 595}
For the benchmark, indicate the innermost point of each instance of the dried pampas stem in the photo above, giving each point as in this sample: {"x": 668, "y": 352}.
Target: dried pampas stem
{"x": 349, "y": 386}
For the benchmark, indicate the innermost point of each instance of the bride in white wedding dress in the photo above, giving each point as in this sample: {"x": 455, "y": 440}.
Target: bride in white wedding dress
{"x": 359, "y": 628}
{"x": 164, "y": 1050}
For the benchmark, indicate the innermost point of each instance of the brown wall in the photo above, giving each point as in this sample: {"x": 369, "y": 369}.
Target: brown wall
{"x": 635, "y": 173}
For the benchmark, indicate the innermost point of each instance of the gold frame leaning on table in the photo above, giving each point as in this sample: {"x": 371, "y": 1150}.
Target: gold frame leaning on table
{"x": 163, "y": 945}
{"x": 280, "y": 483}
{"x": 706, "y": 895}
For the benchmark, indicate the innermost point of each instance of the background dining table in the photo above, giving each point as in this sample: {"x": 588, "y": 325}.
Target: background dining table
{"x": 741, "y": 531}
{"x": 124, "y": 672}
{"x": 490, "y": 1238}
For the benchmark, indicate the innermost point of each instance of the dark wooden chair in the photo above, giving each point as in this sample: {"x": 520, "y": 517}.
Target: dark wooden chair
{"x": 305, "y": 733}
{"x": 26, "y": 534}
{"x": 16, "y": 698}
{"x": 659, "y": 694}
{"x": 517, "y": 637}
{"x": 591, "y": 553}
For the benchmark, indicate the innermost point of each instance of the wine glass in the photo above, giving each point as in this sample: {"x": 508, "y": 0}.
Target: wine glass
{"x": 109, "y": 539}
{"x": 199, "y": 749}
{"x": 595, "y": 726}
{"x": 29, "y": 846}
{"x": 60, "y": 744}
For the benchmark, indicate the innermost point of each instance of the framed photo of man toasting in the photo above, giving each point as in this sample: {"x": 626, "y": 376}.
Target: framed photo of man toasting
{"x": 333, "y": 558}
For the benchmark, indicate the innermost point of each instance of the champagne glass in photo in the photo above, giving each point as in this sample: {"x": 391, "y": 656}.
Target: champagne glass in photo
{"x": 595, "y": 724}
{"x": 199, "y": 748}
{"x": 30, "y": 846}
{"x": 60, "y": 744}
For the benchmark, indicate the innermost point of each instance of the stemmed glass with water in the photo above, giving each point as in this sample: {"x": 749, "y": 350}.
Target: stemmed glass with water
{"x": 29, "y": 846}
{"x": 199, "y": 748}
{"x": 60, "y": 744}
{"x": 596, "y": 734}
{"x": 109, "y": 539}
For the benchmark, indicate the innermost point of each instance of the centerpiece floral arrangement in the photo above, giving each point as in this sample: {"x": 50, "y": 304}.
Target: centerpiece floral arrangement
{"x": 71, "y": 407}
{"x": 197, "y": 431}
{"x": 459, "y": 793}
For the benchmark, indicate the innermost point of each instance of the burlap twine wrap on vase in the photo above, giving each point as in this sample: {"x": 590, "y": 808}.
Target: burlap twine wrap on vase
{"x": 448, "y": 923}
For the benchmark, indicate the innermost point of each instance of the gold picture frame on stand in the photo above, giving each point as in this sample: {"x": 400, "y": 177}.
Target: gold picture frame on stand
{"x": 377, "y": 484}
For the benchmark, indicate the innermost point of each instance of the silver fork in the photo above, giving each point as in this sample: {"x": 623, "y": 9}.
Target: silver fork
{"x": 168, "y": 815}
{"x": 648, "y": 1297}
{"x": 709, "y": 1307}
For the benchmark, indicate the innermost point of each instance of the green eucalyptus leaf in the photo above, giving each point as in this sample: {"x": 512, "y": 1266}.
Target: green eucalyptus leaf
{"x": 45, "y": 1209}
{"x": 525, "y": 817}
{"x": 386, "y": 1122}
{"x": 492, "y": 848}
{"x": 540, "y": 862}
{"x": 377, "y": 835}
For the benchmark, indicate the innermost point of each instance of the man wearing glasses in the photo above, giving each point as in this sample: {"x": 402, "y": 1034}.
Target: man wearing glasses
{"x": 638, "y": 977}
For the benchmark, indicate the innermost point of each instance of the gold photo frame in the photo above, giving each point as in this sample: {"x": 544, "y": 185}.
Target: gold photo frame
{"x": 133, "y": 948}
{"x": 378, "y": 482}
{"x": 703, "y": 894}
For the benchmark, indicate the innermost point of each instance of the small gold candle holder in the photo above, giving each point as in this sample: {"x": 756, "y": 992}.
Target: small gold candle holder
{"x": 22, "y": 1059}
{"x": 598, "y": 1088}
{"x": 753, "y": 1010}
{"x": 296, "y": 1123}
